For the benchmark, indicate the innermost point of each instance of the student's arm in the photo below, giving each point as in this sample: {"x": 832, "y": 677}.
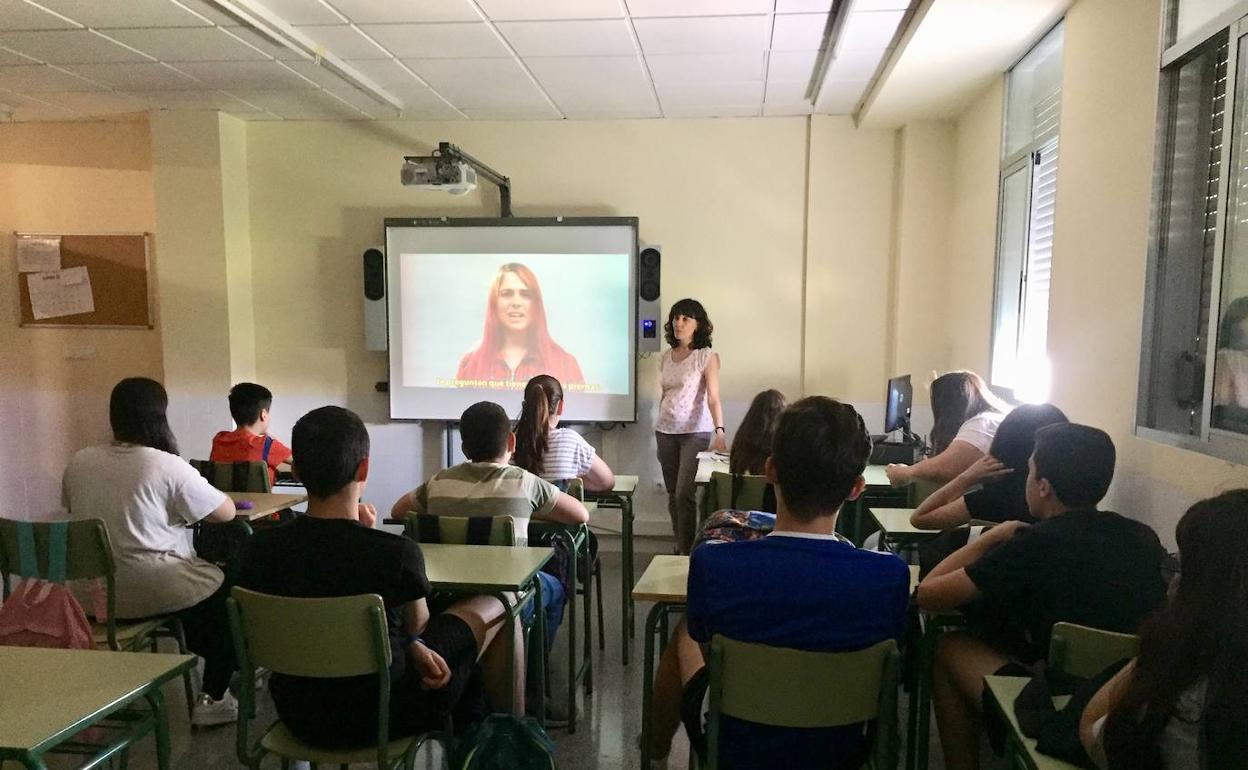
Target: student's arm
{"x": 434, "y": 673}
{"x": 946, "y": 507}
{"x": 957, "y": 457}
{"x": 1104, "y": 701}
{"x": 948, "y": 586}
{"x": 566, "y": 510}
{"x": 719, "y": 442}
{"x": 414, "y": 501}
{"x": 599, "y": 477}
{"x": 223, "y": 512}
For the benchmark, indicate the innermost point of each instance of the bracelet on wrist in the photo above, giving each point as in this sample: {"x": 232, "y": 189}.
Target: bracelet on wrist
{"x": 719, "y": 429}
{"x": 415, "y": 639}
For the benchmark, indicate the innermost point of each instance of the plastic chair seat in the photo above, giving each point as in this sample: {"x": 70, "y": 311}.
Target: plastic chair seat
{"x": 281, "y": 741}
{"x": 127, "y": 634}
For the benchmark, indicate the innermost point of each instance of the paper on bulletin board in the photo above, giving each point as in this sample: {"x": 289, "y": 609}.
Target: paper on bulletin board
{"x": 38, "y": 255}
{"x": 57, "y": 293}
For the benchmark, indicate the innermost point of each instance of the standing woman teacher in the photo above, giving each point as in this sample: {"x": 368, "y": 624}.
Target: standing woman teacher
{"x": 690, "y": 416}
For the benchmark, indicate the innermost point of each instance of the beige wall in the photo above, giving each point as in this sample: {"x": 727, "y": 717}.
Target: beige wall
{"x": 54, "y": 383}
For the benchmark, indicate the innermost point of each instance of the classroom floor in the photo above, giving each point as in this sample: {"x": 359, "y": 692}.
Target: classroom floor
{"x": 606, "y": 735}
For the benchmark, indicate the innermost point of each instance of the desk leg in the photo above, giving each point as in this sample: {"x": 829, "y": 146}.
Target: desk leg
{"x": 570, "y": 622}
{"x": 30, "y": 761}
{"x": 927, "y": 663}
{"x": 628, "y": 577}
{"x": 156, "y": 700}
{"x": 647, "y": 680}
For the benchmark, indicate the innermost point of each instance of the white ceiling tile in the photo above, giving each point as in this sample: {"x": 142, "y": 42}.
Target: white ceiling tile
{"x": 791, "y": 65}
{"x": 840, "y": 97}
{"x": 629, "y": 113}
{"x": 870, "y": 29}
{"x": 511, "y": 114}
{"x": 303, "y": 12}
{"x": 40, "y": 78}
{"x": 141, "y": 76}
{"x": 405, "y": 11}
{"x": 190, "y": 100}
{"x": 811, "y": 6}
{"x": 8, "y": 57}
{"x": 702, "y": 68}
{"x": 17, "y": 14}
{"x": 74, "y": 46}
{"x": 244, "y": 75}
{"x": 345, "y": 42}
{"x": 524, "y": 10}
{"x": 187, "y": 44}
{"x": 721, "y": 34}
{"x": 778, "y": 109}
{"x": 124, "y": 13}
{"x": 713, "y": 94}
{"x": 798, "y": 32}
{"x": 255, "y": 40}
{"x": 571, "y": 70}
{"x": 881, "y": 5}
{"x": 855, "y": 65}
{"x": 98, "y": 102}
{"x": 606, "y": 101}
{"x": 481, "y": 83}
{"x": 383, "y": 72}
{"x": 301, "y": 105}
{"x": 643, "y": 8}
{"x": 438, "y": 41}
{"x": 710, "y": 111}
{"x": 43, "y": 112}
{"x": 786, "y": 91}
{"x": 599, "y": 37}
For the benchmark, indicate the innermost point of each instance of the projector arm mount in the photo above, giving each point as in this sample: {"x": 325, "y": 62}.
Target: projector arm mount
{"x": 453, "y": 154}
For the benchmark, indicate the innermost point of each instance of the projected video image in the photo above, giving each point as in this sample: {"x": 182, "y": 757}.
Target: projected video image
{"x": 492, "y": 321}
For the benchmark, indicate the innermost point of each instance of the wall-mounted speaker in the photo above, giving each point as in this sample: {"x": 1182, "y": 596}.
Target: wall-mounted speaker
{"x": 649, "y": 313}
{"x": 375, "y": 337}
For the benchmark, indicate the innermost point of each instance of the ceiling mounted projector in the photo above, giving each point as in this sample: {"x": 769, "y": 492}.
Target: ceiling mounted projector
{"x": 438, "y": 173}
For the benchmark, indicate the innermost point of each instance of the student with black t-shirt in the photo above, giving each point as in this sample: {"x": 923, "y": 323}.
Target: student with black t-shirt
{"x": 1076, "y": 564}
{"x": 333, "y": 550}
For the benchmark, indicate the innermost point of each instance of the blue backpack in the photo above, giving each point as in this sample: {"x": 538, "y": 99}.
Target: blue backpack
{"x": 505, "y": 742}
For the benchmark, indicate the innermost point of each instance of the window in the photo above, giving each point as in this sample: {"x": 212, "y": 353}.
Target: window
{"x": 1025, "y": 221}
{"x": 1194, "y": 361}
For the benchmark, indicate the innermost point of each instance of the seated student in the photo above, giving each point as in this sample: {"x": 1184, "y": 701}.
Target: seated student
{"x": 966, "y": 415}
{"x": 334, "y": 551}
{"x": 250, "y": 440}
{"x": 1183, "y": 703}
{"x": 148, "y": 497}
{"x": 751, "y": 446}
{"x": 487, "y": 486}
{"x": 994, "y": 487}
{"x": 1077, "y": 564}
{"x": 556, "y": 454}
{"x": 798, "y": 587}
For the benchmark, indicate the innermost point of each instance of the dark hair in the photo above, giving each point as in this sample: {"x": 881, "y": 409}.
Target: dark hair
{"x": 1077, "y": 461}
{"x": 137, "y": 412}
{"x": 483, "y": 431}
{"x": 693, "y": 309}
{"x": 1015, "y": 439}
{"x": 247, "y": 401}
{"x": 752, "y": 445}
{"x": 1230, "y": 335}
{"x": 1202, "y": 632}
{"x": 820, "y": 450}
{"x": 956, "y": 398}
{"x": 542, "y": 396}
{"x": 328, "y": 445}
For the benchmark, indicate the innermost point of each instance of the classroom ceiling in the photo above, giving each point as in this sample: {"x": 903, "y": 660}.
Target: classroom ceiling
{"x": 442, "y": 59}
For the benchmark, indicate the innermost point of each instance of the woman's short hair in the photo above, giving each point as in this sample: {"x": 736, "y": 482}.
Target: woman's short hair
{"x": 137, "y": 413}
{"x": 956, "y": 398}
{"x": 690, "y": 308}
{"x": 752, "y": 445}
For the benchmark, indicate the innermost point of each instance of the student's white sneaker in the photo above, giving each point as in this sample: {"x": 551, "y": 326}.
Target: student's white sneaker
{"x": 209, "y": 712}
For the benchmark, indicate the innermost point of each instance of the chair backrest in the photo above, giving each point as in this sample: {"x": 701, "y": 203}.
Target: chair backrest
{"x": 1086, "y": 652}
{"x": 793, "y": 688}
{"x": 88, "y": 551}
{"x": 741, "y": 492}
{"x": 574, "y": 487}
{"x": 460, "y": 530}
{"x": 235, "y": 477}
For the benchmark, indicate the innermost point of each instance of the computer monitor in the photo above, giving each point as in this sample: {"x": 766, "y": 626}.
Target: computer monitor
{"x": 897, "y": 405}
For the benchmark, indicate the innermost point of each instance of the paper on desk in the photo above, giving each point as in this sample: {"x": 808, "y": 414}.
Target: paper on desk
{"x": 37, "y": 255}
{"x": 712, "y": 455}
{"x": 59, "y": 293}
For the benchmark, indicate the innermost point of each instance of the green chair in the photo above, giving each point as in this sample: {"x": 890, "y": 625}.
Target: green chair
{"x": 89, "y": 555}
{"x": 1086, "y": 652}
{"x": 740, "y": 492}
{"x": 590, "y": 569}
{"x": 317, "y": 638}
{"x": 460, "y": 530}
{"x": 783, "y": 687}
{"x": 235, "y": 477}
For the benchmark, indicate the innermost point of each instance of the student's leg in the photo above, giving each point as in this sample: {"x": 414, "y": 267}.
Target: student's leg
{"x": 207, "y": 627}
{"x": 553, "y": 600}
{"x": 686, "y": 490}
{"x": 962, "y": 662}
{"x": 503, "y": 673}
{"x": 681, "y": 660}
{"x": 669, "y": 462}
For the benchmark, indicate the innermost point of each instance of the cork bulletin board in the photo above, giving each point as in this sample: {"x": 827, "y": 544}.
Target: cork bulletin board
{"x": 116, "y": 269}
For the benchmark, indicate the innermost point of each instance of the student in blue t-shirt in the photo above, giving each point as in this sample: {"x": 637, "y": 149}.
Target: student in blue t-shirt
{"x": 799, "y": 587}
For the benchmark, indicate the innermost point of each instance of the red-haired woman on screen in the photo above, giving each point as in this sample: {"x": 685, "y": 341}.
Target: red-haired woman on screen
{"x": 516, "y": 344}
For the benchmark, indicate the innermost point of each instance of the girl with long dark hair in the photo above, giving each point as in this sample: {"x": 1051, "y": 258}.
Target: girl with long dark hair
{"x": 554, "y": 453}
{"x": 752, "y": 445}
{"x": 1183, "y": 703}
{"x": 148, "y": 498}
{"x": 966, "y": 415}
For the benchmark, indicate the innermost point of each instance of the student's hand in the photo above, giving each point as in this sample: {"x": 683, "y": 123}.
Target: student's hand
{"x": 984, "y": 469}
{"x": 367, "y": 514}
{"x": 898, "y": 474}
{"x": 434, "y": 673}
{"x": 1003, "y": 531}
{"x": 719, "y": 443}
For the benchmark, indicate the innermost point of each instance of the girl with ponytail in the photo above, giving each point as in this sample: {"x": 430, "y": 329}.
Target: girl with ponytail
{"x": 556, "y": 454}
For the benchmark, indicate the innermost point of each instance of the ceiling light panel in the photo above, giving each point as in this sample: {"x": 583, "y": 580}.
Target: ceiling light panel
{"x": 601, "y": 37}
{"x": 534, "y": 10}
{"x": 438, "y": 41}
{"x": 405, "y": 11}
{"x": 187, "y": 44}
{"x": 720, "y": 34}
{"x": 123, "y": 13}
{"x": 870, "y": 29}
{"x": 74, "y": 46}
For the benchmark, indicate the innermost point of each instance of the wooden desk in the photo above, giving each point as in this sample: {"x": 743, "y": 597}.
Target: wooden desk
{"x": 50, "y": 695}
{"x": 1005, "y": 690}
{"x": 665, "y": 582}
{"x": 621, "y": 497}
{"x": 265, "y": 503}
{"x": 496, "y": 570}
{"x": 896, "y": 529}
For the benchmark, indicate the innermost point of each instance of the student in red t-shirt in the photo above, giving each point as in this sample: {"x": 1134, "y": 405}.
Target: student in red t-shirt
{"x": 250, "y": 442}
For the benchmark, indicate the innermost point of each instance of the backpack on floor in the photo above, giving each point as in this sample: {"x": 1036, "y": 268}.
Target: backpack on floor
{"x": 43, "y": 613}
{"x": 505, "y": 742}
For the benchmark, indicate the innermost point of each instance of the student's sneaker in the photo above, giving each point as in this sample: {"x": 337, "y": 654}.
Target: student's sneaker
{"x": 209, "y": 712}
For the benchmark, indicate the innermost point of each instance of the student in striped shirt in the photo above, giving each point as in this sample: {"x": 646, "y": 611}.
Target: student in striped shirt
{"x": 556, "y": 454}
